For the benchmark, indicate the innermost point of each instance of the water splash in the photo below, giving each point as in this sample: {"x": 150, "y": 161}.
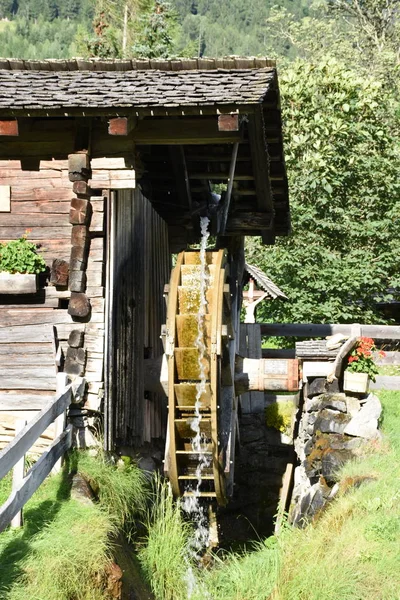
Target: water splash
{"x": 191, "y": 504}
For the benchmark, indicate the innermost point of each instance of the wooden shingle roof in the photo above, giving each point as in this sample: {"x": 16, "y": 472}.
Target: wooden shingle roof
{"x": 141, "y": 84}
{"x": 264, "y": 282}
{"x": 102, "y": 89}
{"x": 190, "y": 122}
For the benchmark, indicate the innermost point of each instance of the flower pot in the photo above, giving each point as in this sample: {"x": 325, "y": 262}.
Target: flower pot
{"x": 356, "y": 382}
{"x": 18, "y": 283}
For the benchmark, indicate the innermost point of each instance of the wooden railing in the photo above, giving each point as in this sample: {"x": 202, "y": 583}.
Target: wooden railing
{"x": 378, "y": 332}
{"x": 25, "y": 485}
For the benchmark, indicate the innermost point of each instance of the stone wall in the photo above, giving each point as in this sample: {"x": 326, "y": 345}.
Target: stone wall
{"x": 334, "y": 429}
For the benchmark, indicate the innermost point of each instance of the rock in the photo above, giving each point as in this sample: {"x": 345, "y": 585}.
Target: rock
{"x": 319, "y": 385}
{"x": 113, "y": 577}
{"x": 365, "y": 423}
{"x": 335, "y": 340}
{"x": 330, "y": 421}
{"x": 350, "y": 483}
{"x": 309, "y": 505}
{"x": 343, "y": 442}
{"x": 81, "y": 490}
{"x": 331, "y": 401}
{"x": 331, "y": 462}
{"x": 326, "y": 453}
{"x": 312, "y": 417}
{"x": 353, "y": 405}
{"x": 308, "y": 446}
{"x": 148, "y": 464}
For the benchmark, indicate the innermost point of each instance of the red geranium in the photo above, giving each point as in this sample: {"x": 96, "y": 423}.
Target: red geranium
{"x": 361, "y": 358}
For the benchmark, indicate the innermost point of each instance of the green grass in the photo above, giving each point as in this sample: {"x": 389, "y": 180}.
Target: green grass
{"x": 352, "y": 552}
{"x": 64, "y": 548}
{"x": 389, "y": 370}
{"x": 163, "y": 556}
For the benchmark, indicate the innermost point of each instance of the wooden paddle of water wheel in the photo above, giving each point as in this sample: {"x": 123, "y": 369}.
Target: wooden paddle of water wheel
{"x": 207, "y": 472}
{"x": 217, "y": 402}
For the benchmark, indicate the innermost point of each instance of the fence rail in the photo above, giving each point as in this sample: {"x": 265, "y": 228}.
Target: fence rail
{"x": 379, "y": 332}
{"x": 23, "y": 441}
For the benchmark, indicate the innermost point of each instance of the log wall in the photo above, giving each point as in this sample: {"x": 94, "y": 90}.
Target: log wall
{"x": 40, "y": 203}
{"x": 40, "y": 207}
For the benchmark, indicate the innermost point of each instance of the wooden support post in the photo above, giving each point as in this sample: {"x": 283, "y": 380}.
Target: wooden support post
{"x": 18, "y": 474}
{"x": 81, "y": 189}
{"x": 60, "y": 422}
{"x": 80, "y": 211}
{"x": 260, "y": 158}
{"x": 182, "y": 131}
{"x": 177, "y": 155}
{"x": 228, "y": 195}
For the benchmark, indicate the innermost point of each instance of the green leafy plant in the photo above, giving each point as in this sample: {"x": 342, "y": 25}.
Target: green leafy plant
{"x": 361, "y": 359}
{"x": 279, "y": 416}
{"x": 20, "y": 256}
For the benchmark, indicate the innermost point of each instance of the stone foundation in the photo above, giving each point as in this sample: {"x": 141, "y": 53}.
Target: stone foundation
{"x": 334, "y": 429}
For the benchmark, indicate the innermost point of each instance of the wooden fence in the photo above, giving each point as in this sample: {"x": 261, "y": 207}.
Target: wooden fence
{"x": 310, "y": 330}
{"x": 13, "y": 455}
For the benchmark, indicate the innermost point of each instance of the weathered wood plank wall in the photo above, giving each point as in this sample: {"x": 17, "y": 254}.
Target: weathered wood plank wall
{"x": 141, "y": 269}
{"x": 40, "y": 204}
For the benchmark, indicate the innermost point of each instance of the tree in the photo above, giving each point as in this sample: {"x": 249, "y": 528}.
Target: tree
{"x": 343, "y": 160}
{"x": 155, "y": 32}
{"x": 8, "y": 8}
{"x": 378, "y": 19}
{"x": 133, "y": 28}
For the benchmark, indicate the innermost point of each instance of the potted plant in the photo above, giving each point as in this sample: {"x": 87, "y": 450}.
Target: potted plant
{"x": 19, "y": 266}
{"x": 361, "y": 367}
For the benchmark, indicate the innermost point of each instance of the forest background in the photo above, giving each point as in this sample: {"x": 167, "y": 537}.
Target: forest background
{"x": 339, "y": 67}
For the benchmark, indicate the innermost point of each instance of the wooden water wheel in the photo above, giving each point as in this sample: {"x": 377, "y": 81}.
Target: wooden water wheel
{"x": 218, "y": 405}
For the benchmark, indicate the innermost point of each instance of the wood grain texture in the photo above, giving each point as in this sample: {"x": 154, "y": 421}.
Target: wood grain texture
{"x": 35, "y": 477}
{"x": 29, "y": 434}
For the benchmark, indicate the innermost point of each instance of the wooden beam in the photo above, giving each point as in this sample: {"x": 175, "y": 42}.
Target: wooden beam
{"x": 228, "y": 122}
{"x": 22, "y": 442}
{"x": 35, "y": 477}
{"x": 158, "y": 111}
{"x": 249, "y": 221}
{"x": 177, "y": 155}
{"x": 228, "y": 195}
{"x": 210, "y": 176}
{"x": 259, "y": 153}
{"x": 121, "y": 125}
{"x": 9, "y": 127}
{"x": 182, "y": 131}
{"x": 380, "y": 332}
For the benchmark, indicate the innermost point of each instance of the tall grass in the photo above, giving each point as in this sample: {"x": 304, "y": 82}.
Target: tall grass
{"x": 122, "y": 490}
{"x": 65, "y": 546}
{"x": 164, "y": 557}
{"x": 352, "y": 552}
{"x": 252, "y": 575}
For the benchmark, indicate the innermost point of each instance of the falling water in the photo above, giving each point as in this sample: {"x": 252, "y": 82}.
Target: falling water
{"x": 191, "y": 504}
